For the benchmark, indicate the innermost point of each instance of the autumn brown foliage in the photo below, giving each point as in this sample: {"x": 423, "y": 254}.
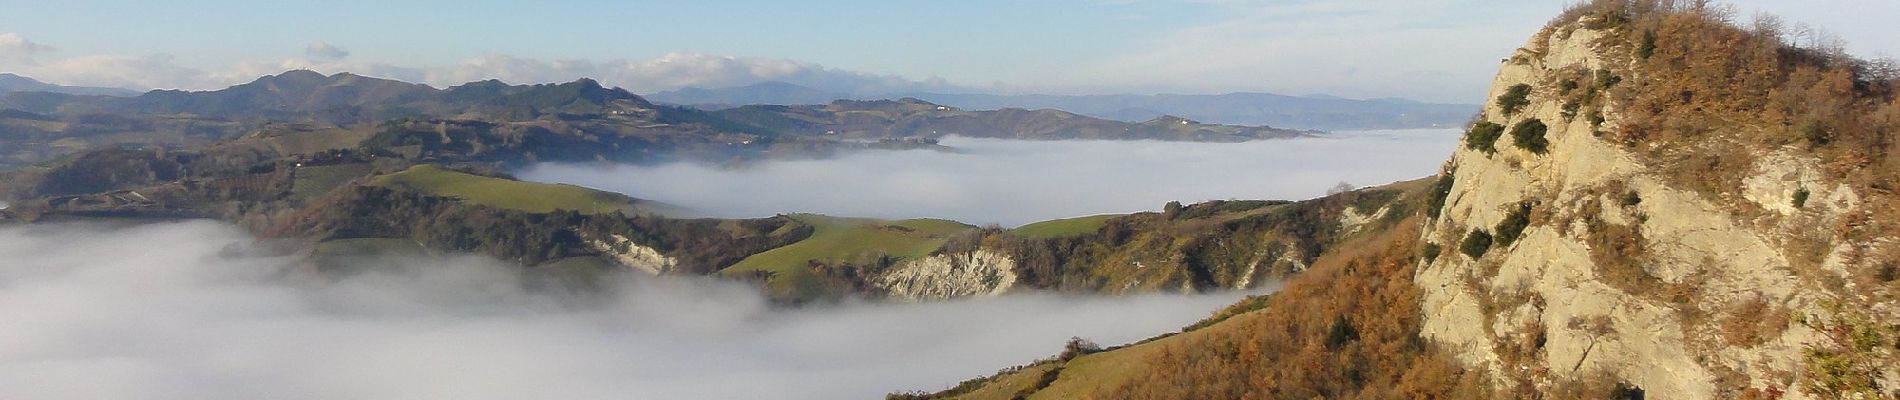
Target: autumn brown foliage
{"x": 1702, "y": 93}
{"x": 1347, "y": 328}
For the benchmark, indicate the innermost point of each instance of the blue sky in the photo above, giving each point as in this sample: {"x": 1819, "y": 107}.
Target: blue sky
{"x": 877, "y": 35}
{"x": 1440, "y": 50}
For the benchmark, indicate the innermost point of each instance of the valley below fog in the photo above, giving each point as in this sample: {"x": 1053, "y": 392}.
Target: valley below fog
{"x": 178, "y": 310}
{"x": 1013, "y": 182}
{"x": 194, "y": 309}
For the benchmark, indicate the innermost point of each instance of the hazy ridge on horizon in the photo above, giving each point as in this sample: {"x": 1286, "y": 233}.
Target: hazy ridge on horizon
{"x": 1313, "y": 111}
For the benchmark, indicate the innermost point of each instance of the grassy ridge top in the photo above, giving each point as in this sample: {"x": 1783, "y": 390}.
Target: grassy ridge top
{"x": 839, "y": 240}
{"x": 1066, "y": 227}
{"x": 505, "y": 193}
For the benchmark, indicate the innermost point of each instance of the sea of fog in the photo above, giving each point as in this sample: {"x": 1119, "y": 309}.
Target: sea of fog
{"x": 179, "y": 311}
{"x": 1011, "y": 182}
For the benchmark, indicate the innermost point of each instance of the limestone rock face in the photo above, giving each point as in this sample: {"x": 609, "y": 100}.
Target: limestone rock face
{"x": 947, "y": 276}
{"x": 1562, "y": 304}
{"x": 626, "y": 252}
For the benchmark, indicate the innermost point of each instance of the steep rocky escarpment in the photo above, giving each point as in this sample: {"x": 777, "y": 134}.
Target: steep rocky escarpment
{"x": 1667, "y": 208}
{"x": 948, "y": 276}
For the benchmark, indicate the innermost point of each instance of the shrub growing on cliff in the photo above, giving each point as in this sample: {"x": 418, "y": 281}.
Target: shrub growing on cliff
{"x": 1815, "y": 134}
{"x": 1514, "y": 98}
{"x": 1646, "y": 47}
{"x": 1529, "y": 135}
{"x": 1476, "y": 243}
{"x": 1483, "y": 136}
{"x": 1341, "y": 333}
{"x": 1607, "y": 79}
{"x": 1513, "y": 225}
{"x": 1440, "y": 190}
{"x": 1854, "y": 355}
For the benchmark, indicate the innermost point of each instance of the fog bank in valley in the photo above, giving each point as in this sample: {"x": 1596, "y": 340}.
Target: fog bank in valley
{"x": 1015, "y": 182}
{"x": 179, "y": 311}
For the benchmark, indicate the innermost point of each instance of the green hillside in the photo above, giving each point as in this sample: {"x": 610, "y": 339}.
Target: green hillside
{"x": 505, "y": 193}
{"x": 1067, "y": 227}
{"x": 839, "y": 240}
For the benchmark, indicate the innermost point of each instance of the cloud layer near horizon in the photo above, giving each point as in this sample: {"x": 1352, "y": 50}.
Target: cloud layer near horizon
{"x": 667, "y": 72}
{"x": 175, "y": 311}
{"x": 1016, "y": 182}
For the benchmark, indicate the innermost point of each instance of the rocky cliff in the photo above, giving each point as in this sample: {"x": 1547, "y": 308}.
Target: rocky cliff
{"x": 1656, "y": 203}
{"x": 948, "y": 276}
{"x": 1605, "y": 262}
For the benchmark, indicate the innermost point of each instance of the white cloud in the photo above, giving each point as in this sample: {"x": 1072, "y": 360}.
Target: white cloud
{"x": 325, "y": 51}
{"x": 1015, "y": 182}
{"x": 668, "y": 72}
{"x": 164, "y": 311}
{"x": 154, "y": 71}
{"x": 15, "y": 49}
{"x": 674, "y": 71}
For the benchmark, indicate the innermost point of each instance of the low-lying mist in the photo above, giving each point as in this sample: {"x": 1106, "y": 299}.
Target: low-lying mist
{"x": 1015, "y": 182}
{"x": 178, "y": 311}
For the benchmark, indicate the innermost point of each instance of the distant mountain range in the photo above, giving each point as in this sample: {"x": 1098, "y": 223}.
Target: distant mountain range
{"x": 1298, "y": 112}
{"x": 343, "y": 98}
{"x": 491, "y": 121}
{"x": 10, "y": 83}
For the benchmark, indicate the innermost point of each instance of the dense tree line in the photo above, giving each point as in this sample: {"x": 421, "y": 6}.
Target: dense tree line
{"x": 701, "y": 245}
{"x": 1206, "y": 246}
